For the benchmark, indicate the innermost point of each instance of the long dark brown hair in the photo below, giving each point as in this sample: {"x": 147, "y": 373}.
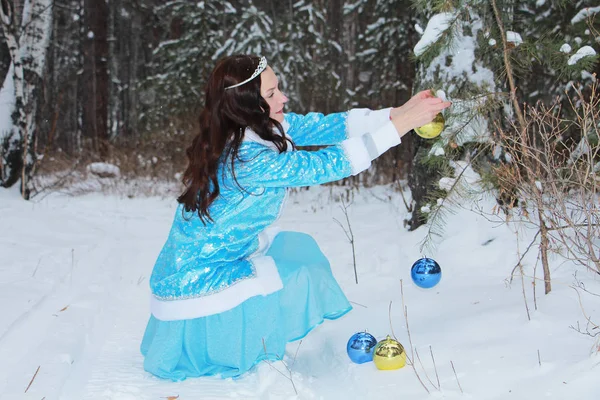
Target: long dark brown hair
{"x": 226, "y": 114}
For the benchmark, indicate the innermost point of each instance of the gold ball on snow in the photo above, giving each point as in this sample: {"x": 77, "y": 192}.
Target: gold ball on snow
{"x": 432, "y": 129}
{"x": 389, "y": 354}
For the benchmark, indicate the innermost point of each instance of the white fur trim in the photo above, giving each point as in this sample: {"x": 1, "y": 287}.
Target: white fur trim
{"x": 252, "y": 136}
{"x": 385, "y": 138}
{"x": 357, "y": 154}
{"x": 267, "y": 281}
{"x": 362, "y": 149}
{"x": 363, "y": 120}
{"x": 265, "y": 238}
{"x": 286, "y": 126}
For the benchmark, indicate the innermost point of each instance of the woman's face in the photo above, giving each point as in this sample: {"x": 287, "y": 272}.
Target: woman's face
{"x": 269, "y": 90}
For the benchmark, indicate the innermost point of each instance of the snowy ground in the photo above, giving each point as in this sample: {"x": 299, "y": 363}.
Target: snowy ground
{"x": 74, "y": 304}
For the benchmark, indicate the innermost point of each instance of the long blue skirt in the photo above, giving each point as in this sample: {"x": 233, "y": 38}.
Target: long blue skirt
{"x": 231, "y": 343}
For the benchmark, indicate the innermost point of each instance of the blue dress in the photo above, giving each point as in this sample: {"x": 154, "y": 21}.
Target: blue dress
{"x": 235, "y": 291}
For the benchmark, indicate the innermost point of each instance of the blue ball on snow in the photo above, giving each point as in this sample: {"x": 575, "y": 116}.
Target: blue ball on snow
{"x": 426, "y": 273}
{"x": 360, "y": 347}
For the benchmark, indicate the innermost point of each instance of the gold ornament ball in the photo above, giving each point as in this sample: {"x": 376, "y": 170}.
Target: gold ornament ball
{"x": 432, "y": 129}
{"x": 389, "y": 354}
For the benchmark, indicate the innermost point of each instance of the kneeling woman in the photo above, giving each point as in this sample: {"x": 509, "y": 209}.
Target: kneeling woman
{"x": 228, "y": 289}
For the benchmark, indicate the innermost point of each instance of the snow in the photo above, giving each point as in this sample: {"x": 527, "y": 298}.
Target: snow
{"x": 437, "y": 149}
{"x": 585, "y": 51}
{"x": 419, "y": 29}
{"x": 441, "y": 94}
{"x": 446, "y": 183}
{"x": 566, "y": 48}
{"x": 585, "y": 13}
{"x": 585, "y": 75}
{"x": 463, "y": 67}
{"x": 436, "y": 26}
{"x": 514, "y": 37}
{"x": 103, "y": 169}
{"x": 74, "y": 301}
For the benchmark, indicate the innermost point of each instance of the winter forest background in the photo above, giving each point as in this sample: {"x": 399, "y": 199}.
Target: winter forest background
{"x": 122, "y": 81}
{"x": 99, "y": 101}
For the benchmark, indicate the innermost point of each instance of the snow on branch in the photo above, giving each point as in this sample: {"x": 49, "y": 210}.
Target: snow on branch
{"x": 436, "y": 26}
{"x": 585, "y": 51}
{"x": 584, "y": 13}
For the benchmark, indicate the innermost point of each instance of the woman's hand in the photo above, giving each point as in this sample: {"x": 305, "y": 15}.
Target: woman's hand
{"x": 418, "y": 111}
{"x": 425, "y": 94}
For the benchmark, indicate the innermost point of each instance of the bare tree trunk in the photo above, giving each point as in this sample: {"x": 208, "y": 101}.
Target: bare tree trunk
{"x": 28, "y": 43}
{"x": 12, "y": 143}
{"x": 95, "y": 74}
{"x": 349, "y": 39}
{"x": 120, "y": 32}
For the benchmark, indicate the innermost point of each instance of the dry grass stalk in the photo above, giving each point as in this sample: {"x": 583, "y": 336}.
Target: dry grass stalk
{"x": 425, "y": 371}
{"x": 437, "y": 377}
{"x": 456, "y": 376}
{"x": 592, "y": 329}
{"x": 289, "y": 369}
{"x": 410, "y": 360}
{"x": 414, "y": 354}
{"x": 32, "y": 379}
{"x": 520, "y": 266}
{"x": 36, "y": 267}
{"x": 349, "y": 234}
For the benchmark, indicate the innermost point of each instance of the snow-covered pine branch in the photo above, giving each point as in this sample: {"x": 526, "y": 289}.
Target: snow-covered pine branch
{"x": 452, "y": 61}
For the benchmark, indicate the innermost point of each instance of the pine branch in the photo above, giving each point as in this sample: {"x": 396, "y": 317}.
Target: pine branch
{"x": 436, "y": 220}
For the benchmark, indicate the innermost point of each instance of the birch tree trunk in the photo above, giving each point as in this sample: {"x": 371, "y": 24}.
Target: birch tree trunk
{"x": 12, "y": 161}
{"x": 9, "y": 156}
{"x": 28, "y": 42}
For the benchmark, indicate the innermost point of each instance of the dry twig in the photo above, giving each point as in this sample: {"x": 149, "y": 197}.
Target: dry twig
{"x": 412, "y": 355}
{"x": 32, "y": 379}
{"x": 349, "y": 234}
{"x": 435, "y": 368}
{"x": 558, "y": 178}
{"x": 290, "y": 377}
{"x": 456, "y": 376}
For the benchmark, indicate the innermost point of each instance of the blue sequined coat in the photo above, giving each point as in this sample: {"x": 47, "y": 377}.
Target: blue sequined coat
{"x": 208, "y": 269}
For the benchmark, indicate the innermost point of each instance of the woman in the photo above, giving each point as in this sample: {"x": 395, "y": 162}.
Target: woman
{"x": 228, "y": 289}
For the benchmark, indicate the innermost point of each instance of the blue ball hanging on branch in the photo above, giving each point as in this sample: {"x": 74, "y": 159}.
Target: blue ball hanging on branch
{"x": 426, "y": 273}
{"x": 360, "y": 347}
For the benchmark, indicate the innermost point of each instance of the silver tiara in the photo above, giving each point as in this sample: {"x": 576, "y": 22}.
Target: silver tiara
{"x": 262, "y": 64}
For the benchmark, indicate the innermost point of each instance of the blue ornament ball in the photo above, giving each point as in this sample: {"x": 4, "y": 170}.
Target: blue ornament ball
{"x": 360, "y": 347}
{"x": 426, "y": 273}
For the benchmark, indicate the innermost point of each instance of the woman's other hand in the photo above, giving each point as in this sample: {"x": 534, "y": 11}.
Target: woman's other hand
{"x": 418, "y": 111}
